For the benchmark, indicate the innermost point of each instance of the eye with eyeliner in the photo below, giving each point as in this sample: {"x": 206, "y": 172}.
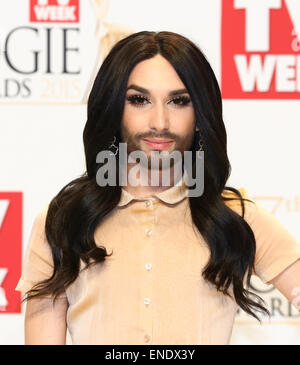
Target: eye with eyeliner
{"x": 139, "y": 100}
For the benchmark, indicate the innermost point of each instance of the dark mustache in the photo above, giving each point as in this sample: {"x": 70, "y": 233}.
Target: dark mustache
{"x": 155, "y": 135}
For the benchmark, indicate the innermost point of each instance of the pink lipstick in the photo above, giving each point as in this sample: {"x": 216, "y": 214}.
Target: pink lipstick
{"x": 158, "y": 143}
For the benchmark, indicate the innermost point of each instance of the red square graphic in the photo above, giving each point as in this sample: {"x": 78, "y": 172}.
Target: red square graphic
{"x": 54, "y": 11}
{"x": 260, "y": 49}
{"x": 10, "y": 250}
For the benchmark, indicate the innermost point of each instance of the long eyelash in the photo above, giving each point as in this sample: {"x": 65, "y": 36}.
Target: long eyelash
{"x": 133, "y": 99}
{"x": 184, "y": 99}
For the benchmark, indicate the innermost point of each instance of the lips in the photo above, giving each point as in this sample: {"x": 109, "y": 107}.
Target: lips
{"x": 158, "y": 143}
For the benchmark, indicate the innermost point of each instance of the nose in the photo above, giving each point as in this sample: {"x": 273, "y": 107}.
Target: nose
{"x": 159, "y": 120}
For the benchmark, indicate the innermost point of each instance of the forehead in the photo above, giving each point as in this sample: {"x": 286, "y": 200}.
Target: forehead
{"x": 155, "y": 73}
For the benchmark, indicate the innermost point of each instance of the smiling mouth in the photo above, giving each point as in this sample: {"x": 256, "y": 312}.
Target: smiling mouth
{"x": 158, "y": 143}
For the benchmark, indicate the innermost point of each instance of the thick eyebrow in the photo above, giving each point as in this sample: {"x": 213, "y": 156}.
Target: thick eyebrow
{"x": 147, "y": 92}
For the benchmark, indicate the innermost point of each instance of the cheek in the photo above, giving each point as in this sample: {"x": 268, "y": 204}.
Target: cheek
{"x": 131, "y": 119}
{"x": 126, "y": 117}
{"x": 183, "y": 124}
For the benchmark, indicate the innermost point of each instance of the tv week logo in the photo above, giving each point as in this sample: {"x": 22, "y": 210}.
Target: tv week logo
{"x": 260, "y": 49}
{"x": 55, "y": 11}
{"x": 10, "y": 251}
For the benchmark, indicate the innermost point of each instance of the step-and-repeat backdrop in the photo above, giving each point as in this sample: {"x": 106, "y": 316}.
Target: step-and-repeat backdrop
{"x": 50, "y": 51}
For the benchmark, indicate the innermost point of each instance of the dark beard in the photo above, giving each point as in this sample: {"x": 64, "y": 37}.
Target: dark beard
{"x": 134, "y": 143}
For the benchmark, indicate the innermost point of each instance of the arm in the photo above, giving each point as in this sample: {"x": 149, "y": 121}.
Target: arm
{"x": 277, "y": 259}
{"x": 45, "y": 324}
{"x": 288, "y": 283}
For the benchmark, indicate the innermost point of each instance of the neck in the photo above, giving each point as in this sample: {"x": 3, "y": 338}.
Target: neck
{"x": 143, "y": 182}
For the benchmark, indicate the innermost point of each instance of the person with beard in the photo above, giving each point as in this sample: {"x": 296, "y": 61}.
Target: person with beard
{"x": 143, "y": 264}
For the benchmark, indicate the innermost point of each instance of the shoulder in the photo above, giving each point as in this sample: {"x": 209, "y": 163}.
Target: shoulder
{"x": 40, "y": 217}
{"x": 233, "y": 201}
{"x": 39, "y": 227}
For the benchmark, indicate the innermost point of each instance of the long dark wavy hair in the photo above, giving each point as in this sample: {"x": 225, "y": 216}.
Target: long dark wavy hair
{"x": 80, "y": 206}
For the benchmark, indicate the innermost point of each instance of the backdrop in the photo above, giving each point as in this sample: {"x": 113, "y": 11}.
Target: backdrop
{"x": 50, "y": 52}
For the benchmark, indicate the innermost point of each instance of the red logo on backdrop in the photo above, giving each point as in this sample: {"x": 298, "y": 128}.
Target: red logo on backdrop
{"x": 260, "y": 49}
{"x": 10, "y": 251}
{"x": 55, "y": 11}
